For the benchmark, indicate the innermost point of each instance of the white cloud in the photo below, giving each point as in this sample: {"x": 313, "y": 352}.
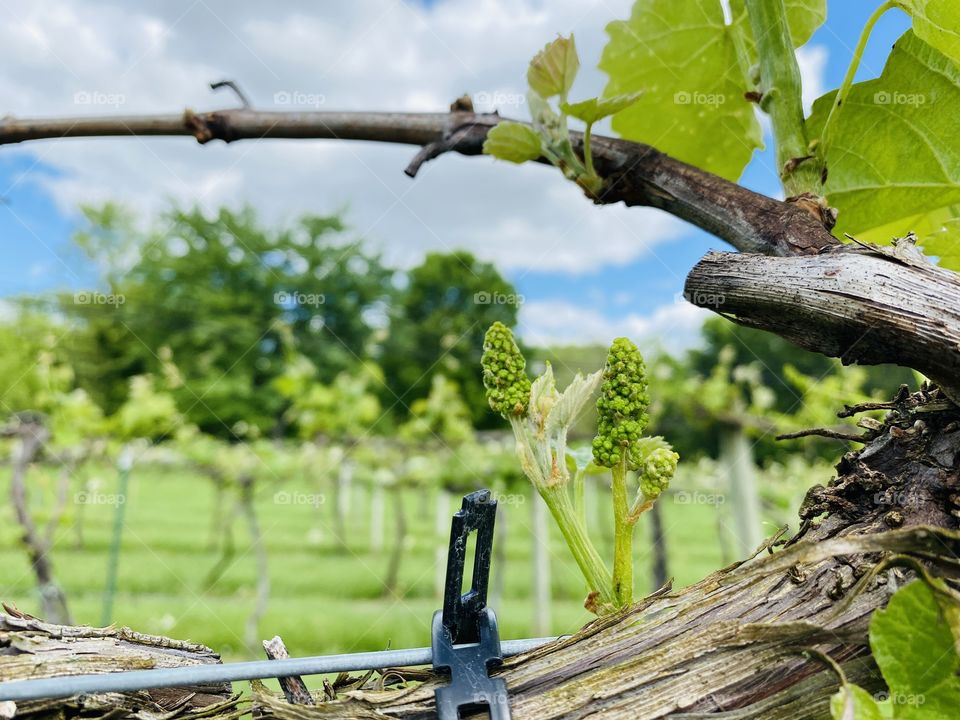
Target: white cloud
{"x": 369, "y": 54}
{"x": 673, "y": 327}
{"x": 812, "y": 60}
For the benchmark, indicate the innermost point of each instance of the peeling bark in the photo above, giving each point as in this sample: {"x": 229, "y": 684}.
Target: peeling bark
{"x": 30, "y": 648}
{"x": 867, "y": 305}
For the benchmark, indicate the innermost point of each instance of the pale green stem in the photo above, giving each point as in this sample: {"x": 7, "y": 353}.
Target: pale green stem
{"x": 848, "y": 78}
{"x": 622, "y": 538}
{"x": 579, "y": 495}
{"x": 594, "y": 570}
{"x": 781, "y": 94}
{"x": 555, "y": 495}
{"x": 587, "y": 154}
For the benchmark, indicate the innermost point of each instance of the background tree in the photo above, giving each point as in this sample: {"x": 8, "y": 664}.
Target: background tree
{"x": 215, "y": 291}
{"x": 437, "y": 327}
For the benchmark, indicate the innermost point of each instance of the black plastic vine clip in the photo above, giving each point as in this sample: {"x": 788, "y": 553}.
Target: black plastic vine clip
{"x": 466, "y": 640}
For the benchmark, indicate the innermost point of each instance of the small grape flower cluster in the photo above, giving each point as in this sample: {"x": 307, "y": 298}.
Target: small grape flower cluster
{"x": 541, "y": 416}
{"x": 504, "y": 372}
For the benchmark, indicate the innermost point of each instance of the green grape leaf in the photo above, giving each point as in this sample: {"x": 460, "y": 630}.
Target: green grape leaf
{"x": 682, "y": 56}
{"x": 915, "y": 646}
{"x": 512, "y": 141}
{"x": 852, "y": 702}
{"x": 553, "y": 69}
{"x": 945, "y": 245}
{"x": 936, "y": 22}
{"x": 594, "y": 109}
{"x": 803, "y": 18}
{"x": 894, "y": 153}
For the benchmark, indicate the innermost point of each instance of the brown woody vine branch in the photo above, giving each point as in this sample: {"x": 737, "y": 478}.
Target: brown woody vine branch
{"x": 636, "y": 174}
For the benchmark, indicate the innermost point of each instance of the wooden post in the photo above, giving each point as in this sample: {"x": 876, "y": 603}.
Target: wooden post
{"x": 736, "y": 463}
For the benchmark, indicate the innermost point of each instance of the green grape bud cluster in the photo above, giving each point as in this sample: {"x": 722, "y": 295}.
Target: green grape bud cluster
{"x": 622, "y": 405}
{"x": 504, "y": 372}
{"x": 656, "y": 472}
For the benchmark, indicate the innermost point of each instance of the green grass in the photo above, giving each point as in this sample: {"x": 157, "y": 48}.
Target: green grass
{"x": 322, "y": 599}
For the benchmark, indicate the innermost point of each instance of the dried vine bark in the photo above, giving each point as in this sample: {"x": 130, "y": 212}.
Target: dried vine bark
{"x": 30, "y": 648}
{"x": 636, "y": 174}
{"x": 732, "y": 645}
{"x": 865, "y": 305}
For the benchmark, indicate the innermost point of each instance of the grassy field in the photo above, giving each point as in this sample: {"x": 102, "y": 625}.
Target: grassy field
{"x": 323, "y": 599}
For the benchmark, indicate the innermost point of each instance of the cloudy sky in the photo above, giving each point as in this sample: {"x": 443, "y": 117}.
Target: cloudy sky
{"x": 586, "y": 273}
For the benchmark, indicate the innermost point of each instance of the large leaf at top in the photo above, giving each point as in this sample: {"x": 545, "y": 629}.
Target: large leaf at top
{"x": 936, "y": 22}
{"x": 682, "y": 57}
{"x": 894, "y": 153}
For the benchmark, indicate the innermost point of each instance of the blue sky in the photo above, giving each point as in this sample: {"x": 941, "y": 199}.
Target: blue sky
{"x": 41, "y": 184}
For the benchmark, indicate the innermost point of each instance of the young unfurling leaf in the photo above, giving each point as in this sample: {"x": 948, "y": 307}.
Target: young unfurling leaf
{"x": 554, "y": 68}
{"x": 572, "y": 400}
{"x": 513, "y": 142}
{"x": 595, "y": 109}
